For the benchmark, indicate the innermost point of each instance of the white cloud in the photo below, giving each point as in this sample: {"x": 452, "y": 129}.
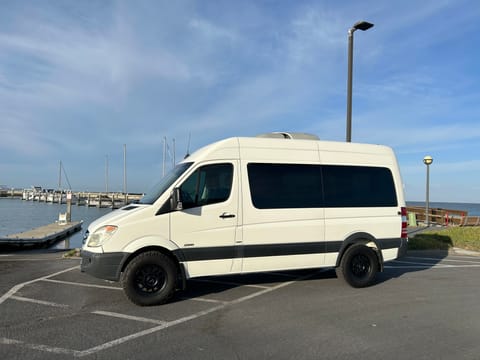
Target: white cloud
{"x": 117, "y": 73}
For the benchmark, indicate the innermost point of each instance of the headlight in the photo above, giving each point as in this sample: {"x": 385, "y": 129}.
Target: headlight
{"x": 101, "y": 235}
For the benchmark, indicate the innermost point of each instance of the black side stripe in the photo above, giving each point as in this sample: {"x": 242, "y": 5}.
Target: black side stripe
{"x": 264, "y": 250}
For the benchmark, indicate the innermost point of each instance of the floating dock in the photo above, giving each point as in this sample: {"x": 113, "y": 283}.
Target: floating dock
{"x": 43, "y": 235}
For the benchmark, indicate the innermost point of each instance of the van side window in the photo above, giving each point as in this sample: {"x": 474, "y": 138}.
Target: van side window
{"x": 209, "y": 184}
{"x": 358, "y": 186}
{"x": 280, "y": 186}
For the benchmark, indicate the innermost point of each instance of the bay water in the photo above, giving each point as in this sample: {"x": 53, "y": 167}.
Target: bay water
{"x": 19, "y": 215}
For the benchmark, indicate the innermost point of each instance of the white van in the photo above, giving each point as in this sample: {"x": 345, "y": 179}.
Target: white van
{"x": 275, "y": 202}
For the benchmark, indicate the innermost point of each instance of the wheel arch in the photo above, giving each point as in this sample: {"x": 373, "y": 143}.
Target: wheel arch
{"x": 171, "y": 254}
{"x": 365, "y": 239}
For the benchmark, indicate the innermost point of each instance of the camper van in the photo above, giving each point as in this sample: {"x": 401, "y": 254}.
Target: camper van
{"x": 279, "y": 201}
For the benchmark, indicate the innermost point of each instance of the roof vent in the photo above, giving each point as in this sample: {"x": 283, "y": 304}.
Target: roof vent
{"x": 286, "y": 135}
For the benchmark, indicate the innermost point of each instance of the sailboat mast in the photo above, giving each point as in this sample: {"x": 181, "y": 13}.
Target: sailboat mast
{"x": 125, "y": 168}
{"x": 164, "y": 155}
{"x": 106, "y": 174}
{"x": 60, "y": 176}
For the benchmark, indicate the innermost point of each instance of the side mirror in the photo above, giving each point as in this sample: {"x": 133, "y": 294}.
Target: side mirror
{"x": 176, "y": 199}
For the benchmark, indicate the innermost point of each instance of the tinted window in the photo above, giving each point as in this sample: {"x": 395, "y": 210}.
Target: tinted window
{"x": 277, "y": 186}
{"x": 209, "y": 184}
{"x": 358, "y": 186}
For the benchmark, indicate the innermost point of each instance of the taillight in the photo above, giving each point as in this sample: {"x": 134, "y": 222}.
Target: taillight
{"x": 404, "y": 234}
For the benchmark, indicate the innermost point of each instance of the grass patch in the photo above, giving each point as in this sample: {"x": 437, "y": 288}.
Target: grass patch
{"x": 462, "y": 237}
{"x": 72, "y": 253}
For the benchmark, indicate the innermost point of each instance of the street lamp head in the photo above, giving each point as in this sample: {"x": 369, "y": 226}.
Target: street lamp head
{"x": 427, "y": 160}
{"x": 362, "y": 25}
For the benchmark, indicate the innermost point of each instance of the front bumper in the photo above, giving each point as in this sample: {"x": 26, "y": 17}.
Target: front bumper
{"x": 107, "y": 266}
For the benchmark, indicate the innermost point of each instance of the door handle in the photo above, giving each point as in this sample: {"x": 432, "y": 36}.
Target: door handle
{"x": 226, "y": 215}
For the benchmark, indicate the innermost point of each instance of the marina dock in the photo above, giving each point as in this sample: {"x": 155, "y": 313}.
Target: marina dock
{"x": 43, "y": 235}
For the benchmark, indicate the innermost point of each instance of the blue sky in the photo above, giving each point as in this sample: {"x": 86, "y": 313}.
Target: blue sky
{"x": 78, "y": 79}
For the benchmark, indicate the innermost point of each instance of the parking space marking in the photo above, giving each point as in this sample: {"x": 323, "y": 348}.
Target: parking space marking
{"x": 197, "y": 315}
{"x": 129, "y": 317}
{"x": 204, "y": 300}
{"x": 55, "y": 350}
{"x": 161, "y": 326}
{"x": 82, "y": 284}
{"x": 40, "y": 302}
{"x": 439, "y": 259}
{"x": 230, "y": 283}
{"x": 421, "y": 263}
{"x": 140, "y": 334}
{"x": 412, "y": 266}
{"x": 17, "y": 287}
{"x": 435, "y": 263}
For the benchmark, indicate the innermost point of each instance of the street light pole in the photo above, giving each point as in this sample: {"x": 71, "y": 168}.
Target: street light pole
{"x": 360, "y": 25}
{"x": 427, "y": 160}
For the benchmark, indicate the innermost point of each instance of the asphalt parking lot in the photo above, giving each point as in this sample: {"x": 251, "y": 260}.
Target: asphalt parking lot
{"x": 424, "y": 306}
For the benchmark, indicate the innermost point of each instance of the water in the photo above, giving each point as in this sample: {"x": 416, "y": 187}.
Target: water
{"x": 471, "y": 209}
{"x": 18, "y": 215}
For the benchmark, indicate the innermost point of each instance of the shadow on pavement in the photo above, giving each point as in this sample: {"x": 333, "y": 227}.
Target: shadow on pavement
{"x": 413, "y": 261}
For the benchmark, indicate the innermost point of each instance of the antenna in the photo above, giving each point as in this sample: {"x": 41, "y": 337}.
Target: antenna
{"x": 188, "y": 145}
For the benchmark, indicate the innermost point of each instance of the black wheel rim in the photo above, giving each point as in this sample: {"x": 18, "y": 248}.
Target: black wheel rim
{"x": 150, "y": 279}
{"x": 360, "y": 266}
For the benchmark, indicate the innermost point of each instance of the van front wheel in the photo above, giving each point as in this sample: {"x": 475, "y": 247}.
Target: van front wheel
{"x": 149, "y": 279}
{"x": 359, "y": 266}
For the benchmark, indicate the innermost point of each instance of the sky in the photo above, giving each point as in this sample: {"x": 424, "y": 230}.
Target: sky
{"x": 81, "y": 79}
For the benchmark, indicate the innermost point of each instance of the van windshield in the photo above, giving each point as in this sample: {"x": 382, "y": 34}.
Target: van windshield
{"x": 154, "y": 193}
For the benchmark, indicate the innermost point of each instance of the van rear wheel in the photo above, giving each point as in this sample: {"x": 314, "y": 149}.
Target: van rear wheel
{"x": 359, "y": 266}
{"x": 149, "y": 279}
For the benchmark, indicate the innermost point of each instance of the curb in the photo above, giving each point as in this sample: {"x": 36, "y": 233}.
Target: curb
{"x": 459, "y": 251}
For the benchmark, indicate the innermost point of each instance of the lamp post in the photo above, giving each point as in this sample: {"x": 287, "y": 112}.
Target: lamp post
{"x": 427, "y": 160}
{"x": 360, "y": 25}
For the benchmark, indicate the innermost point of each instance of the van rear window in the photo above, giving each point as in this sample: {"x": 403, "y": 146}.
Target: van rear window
{"x": 358, "y": 186}
{"x": 278, "y": 186}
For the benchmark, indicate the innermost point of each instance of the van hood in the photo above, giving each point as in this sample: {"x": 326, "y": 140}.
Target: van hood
{"x": 113, "y": 217}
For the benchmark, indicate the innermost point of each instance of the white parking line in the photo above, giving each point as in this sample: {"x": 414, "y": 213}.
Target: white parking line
{"x": 137, "y": 335}
{"x": 129, "y": 317}
{"x": 46, "y": 348}
{"x": 440, "y": 259}
{"x": 161, "y": 326}
{"x": 40, "y": 302}
{"x": 197, "y": 315}
{"x": 431, "y": 265}
{"x": 204, "y": 300}
{"x": 412, "y": 267}
{"x": 17, "y": 287}
{"x": 420, "y": 263}
{"x": 82, "y": 284}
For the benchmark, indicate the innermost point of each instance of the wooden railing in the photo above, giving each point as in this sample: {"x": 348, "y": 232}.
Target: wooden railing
{"x": 444, "y": 217}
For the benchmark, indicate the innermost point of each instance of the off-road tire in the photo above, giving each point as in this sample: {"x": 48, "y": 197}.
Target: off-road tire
{"x": 359, "y": 266}
{"x": 150, "y": 279}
